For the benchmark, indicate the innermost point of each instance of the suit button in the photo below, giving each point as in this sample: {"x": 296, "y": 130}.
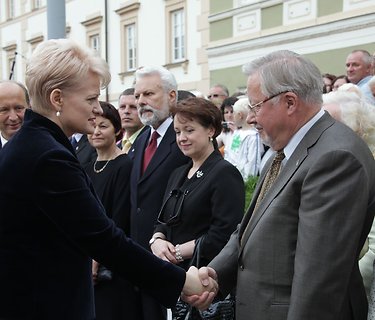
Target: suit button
{"x": 138, "y": 210}
{"x": 242, "y": 267}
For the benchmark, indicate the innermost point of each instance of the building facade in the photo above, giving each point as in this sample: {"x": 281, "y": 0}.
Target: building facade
{"x": 324, "y": 31}
{"x": 127, "y": 34}
{"x": 201, "y": 41}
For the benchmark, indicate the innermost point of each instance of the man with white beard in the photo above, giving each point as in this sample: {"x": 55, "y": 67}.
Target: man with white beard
{"x": 156, "y": 155}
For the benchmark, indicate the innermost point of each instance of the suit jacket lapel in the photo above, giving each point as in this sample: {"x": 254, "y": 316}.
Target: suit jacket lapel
{"x": 291, "y": 166}
{"x": 81, "y": 144}
{"x": 138, "y": 150}
{"x": 163, "y": 150}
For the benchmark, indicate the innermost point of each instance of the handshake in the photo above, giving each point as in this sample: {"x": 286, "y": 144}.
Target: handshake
{"x": 200, "y": 287}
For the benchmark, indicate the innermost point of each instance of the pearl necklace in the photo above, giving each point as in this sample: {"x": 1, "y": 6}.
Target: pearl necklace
{"x": 100, "y": 170}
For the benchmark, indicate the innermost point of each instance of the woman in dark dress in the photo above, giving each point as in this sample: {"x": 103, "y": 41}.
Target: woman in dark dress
{"x": 205, "y": 198}
{"x": 110, "y": 173}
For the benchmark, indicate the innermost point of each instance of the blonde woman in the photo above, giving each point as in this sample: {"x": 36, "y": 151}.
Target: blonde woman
{"x": 52, "y": 221}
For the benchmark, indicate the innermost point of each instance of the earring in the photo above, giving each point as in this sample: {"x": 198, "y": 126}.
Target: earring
{"x": 211, "y": 139}
{"x": 58, "y": 113}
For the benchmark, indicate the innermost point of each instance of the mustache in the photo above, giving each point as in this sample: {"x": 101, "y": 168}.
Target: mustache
{"x": 146, "y": 108}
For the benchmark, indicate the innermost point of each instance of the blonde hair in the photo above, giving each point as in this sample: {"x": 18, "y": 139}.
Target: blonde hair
{"x": 61, "y": 64}
{"x": 355, "y": 113}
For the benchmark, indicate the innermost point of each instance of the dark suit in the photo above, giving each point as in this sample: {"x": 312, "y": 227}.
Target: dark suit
{"x": 85, "y": 152}
{"x": 212, "y": 207}
{"x": 51, "y": 223}
{"x": 298, "y": 258}
{"x": 147, "y": 193}
{"x": 131, "y": 151}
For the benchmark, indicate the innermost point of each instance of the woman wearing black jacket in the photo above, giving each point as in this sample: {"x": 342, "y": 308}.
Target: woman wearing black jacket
{"x": 205, "y": 198}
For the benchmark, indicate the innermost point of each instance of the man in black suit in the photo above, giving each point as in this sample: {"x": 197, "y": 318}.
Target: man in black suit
{"x": 84, "y": 150}
{"x": 155, "y": 93}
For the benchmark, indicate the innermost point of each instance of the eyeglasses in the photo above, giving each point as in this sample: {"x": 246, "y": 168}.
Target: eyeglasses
{"x": 175, "y": 217}
{"x": 256, "y": 107}
{"x": 215, "y": 95}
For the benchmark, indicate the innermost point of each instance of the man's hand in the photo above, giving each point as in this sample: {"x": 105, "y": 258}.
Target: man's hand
{"x": 201, "y": 294}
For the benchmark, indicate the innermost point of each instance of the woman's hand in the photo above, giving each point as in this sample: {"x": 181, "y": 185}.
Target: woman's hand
{"x": 164, "y": 250}
{"x": 232, "y": 126}
{"x": 95, "y": 268}
{"x": 193, "y": 293}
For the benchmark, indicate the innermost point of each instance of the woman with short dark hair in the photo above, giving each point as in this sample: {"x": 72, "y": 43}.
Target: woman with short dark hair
{"x": 110, "y": 174}
{"x": 204, "y": 199}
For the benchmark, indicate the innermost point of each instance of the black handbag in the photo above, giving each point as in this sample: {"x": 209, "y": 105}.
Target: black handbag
{"x": 218, "y": 310}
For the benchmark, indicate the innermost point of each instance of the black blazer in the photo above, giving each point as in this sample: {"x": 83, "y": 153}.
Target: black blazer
{"x": 147, "y": 190}
{"x": 213, "y": 205}
{"x": 131, "y": 151}
{"x": 85, "y": 152}
{"x": 52, "y": 224}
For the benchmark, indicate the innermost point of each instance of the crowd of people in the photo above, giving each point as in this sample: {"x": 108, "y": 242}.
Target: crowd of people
{"x": 117, "y": 200}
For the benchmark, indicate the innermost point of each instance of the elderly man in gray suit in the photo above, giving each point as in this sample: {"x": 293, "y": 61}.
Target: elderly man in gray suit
{"x": 295, "y": 254}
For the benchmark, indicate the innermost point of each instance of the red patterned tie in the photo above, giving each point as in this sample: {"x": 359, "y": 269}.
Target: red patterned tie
{"x": 150, "y": 150}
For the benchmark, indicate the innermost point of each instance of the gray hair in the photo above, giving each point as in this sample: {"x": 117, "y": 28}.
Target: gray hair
{"x": 241, "y": 105}
{"x": 168, "y": 80}
{"x": 356, "y": 113}
{"x": 285, "y": 70}
{"x": 367, "y": 58}
{"x": 222, "y": 87}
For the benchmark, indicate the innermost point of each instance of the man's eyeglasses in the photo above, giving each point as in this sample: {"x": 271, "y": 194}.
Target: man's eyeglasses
{"x": 256, "y": 107}
{"x": 215, "y": 95}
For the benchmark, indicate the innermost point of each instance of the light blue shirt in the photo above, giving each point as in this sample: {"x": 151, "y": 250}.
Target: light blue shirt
{"x": 298, "y": 136}
{"x": 366, "y": 91}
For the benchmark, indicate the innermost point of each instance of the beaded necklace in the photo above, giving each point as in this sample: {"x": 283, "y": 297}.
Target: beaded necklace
{"x": 102, "y": 168}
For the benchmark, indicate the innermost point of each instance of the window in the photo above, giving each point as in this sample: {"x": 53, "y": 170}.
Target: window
{"x": 11, "y": 60}
{"x": 131, "y": 47}
{"x": 95, "y": 42}
{"x": 34, "y": 41}
{"x": 128, "y": 14}
{"x": 178, "y": 35}
{"x": 93, "y": 31}
{"x": 37, "y": 4}
{"x": 176, "y": 32}
{"x": 11, "y": 9}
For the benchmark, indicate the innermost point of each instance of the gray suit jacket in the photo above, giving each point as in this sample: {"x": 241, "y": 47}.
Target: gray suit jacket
{"x": 298, "y": 258}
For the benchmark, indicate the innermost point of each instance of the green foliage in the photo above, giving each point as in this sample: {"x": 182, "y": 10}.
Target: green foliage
{"x": 250, "y": 184}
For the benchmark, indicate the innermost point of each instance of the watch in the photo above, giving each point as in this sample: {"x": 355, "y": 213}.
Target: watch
{"x": 153, "y": 239}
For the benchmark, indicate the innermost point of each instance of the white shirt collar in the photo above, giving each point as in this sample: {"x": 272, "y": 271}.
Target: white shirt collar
{"x": 162, "y": 129}
{"x": 298, "y": 136}
{"x": 3, "y": 140}
{"x": 77, "y": 136}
